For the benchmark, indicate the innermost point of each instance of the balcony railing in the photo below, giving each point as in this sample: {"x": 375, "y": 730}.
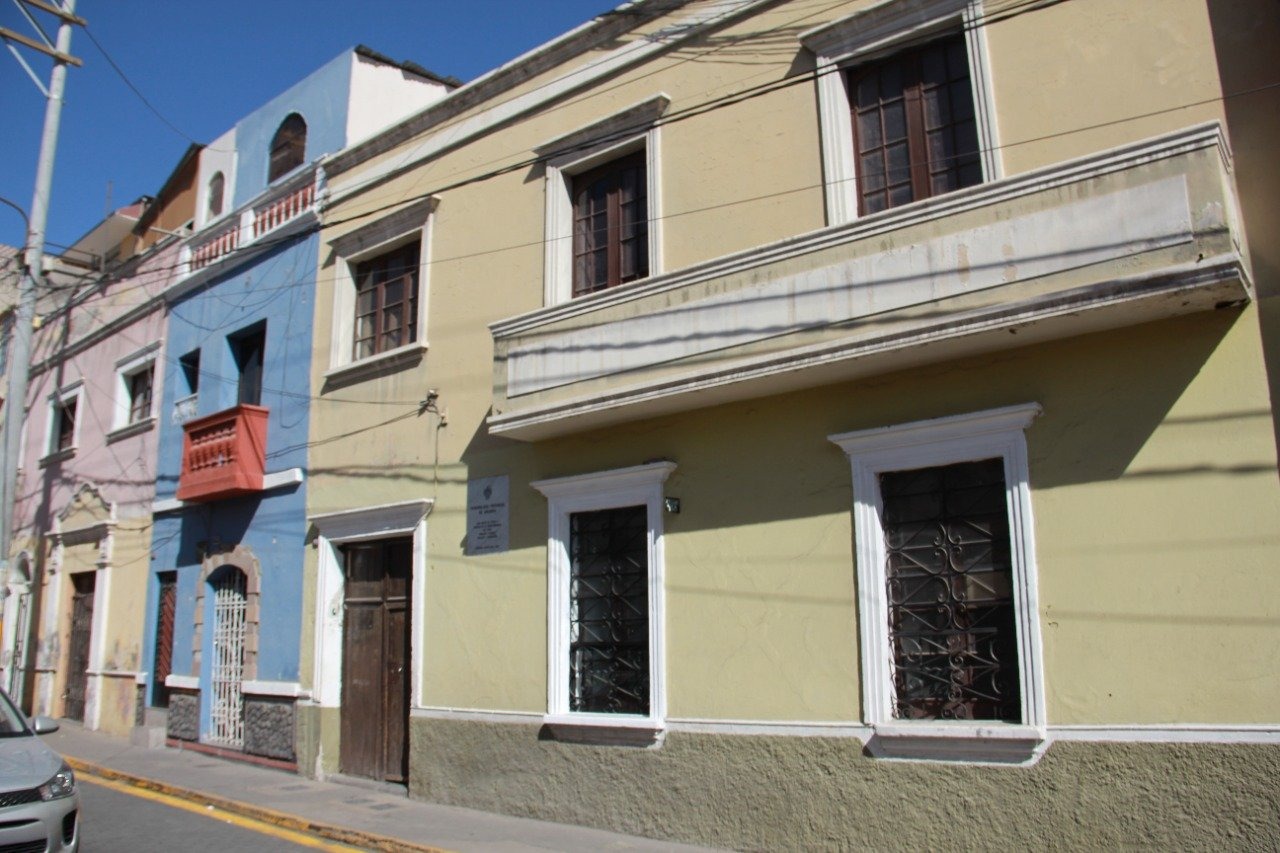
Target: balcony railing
{"x": 223, "y": 454}
{"x": 271, "y": 215}
{"x": 223, "y": 242}
{"x": 276, "y": 208}
{"x": 185, "y": 409}
{"x": 1121, "y": 237}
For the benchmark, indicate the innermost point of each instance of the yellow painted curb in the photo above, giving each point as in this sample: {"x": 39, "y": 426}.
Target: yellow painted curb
{"x": 354, "y": 837}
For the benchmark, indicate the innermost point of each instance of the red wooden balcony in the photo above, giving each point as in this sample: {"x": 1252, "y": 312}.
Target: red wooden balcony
{"x": 223, "y": 454}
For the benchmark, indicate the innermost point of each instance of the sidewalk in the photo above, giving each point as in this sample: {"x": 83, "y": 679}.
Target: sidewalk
{"x": 344, "y": 813}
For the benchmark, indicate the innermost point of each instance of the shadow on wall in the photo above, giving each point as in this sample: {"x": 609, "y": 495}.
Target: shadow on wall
{"x": 1245, "y": 33}
{"x": 769, "y": 460}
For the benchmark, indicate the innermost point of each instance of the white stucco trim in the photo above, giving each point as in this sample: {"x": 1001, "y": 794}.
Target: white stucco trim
{"x": 1188, "y": 733}
{"x": 72, "y": 391}
{"x": 637, "y": 485}
{"x": 182, "y": 682}
{"x": 270, "y": 482}
{"x": 996, "y": 433}
{"x": 145, "y": 358}
{"x": 870, "y": 34}
{"x": 625, "y": 132}
{"x": 362, "y": 524}
{"x": 284, "y": 689}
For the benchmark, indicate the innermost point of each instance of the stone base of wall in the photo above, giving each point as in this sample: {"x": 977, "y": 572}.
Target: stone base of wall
{"x": 269, "y": 727}
{"x": 754, "y": 793}
{"x": 183, "y": 722}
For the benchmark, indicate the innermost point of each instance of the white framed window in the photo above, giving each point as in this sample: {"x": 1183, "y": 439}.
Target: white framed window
{"x": 135, "y": 403}
{"x": 605, "y": 603}
{"x": 867, "y": 169}
{"x": 374, "y": 328}
{"x": 62, "y": 428}
{"x": 947, "y": 605}
{"x": 615, "y": 217}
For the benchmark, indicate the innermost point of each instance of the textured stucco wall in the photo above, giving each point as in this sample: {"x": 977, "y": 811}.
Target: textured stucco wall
{"x": 776, "y": 793}
{"x": 269, "y": 727}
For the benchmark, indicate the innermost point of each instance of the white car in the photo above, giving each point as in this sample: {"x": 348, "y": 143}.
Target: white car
{"x": 39, "y": 803}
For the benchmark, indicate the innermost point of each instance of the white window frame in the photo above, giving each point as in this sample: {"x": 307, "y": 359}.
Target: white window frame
{"x": 126, "y": 368}
{"x": 364, "y": 524}
{"x": 402, "y": 227}
{"x": 875, "y": 33}
{"x": 59, "y": 398}
{"x": 996, "y": 433}
{"x": 623, "y": 487}
{"x": 633, "y": 129}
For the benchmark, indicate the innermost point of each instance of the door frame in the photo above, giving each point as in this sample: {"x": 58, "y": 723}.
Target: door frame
{"x": 335, "y": 529}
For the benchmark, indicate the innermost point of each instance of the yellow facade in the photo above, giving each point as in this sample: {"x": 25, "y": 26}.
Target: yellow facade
{"x": 1152, "y": 466}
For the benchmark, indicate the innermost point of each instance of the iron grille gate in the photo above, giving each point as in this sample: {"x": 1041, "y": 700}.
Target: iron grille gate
{"x": 227, "y": 713}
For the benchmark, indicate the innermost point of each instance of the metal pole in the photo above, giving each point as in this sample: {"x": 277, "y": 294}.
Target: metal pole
{"x": 32, "y": 280}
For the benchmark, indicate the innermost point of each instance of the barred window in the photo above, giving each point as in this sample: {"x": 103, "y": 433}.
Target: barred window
{"x": 609, "y": 611}
{"x": 950, "y": 593}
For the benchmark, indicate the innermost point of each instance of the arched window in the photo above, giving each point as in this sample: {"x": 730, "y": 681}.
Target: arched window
{"x": 288, "y": 146}
{"x": 216, "y": 186}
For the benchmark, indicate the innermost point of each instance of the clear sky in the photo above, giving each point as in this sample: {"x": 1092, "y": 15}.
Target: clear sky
{"x": 202, "y": 65}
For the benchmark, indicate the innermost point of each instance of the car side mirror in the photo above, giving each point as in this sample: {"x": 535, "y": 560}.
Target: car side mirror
{"x": 44, "y": 725}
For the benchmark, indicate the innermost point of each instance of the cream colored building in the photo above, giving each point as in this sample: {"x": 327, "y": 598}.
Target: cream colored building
{"x": 819, "y": 424}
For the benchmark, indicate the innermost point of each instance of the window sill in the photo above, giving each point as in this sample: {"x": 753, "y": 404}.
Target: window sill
{"x": 135, "y": 428}
{"x": 376, "y": 365}
{"x": 57, "y": 456}
{"x": 603, "y": 730}
{"x": 968, "y": 742}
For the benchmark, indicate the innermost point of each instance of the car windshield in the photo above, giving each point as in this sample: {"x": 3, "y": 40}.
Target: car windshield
{"x": 12, "y": 723}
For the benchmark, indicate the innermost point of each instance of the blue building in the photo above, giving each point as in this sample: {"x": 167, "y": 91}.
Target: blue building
{"x": 225, "y": 596}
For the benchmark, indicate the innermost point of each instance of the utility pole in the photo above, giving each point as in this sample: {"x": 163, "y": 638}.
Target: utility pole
{"x": 33, "y": 274}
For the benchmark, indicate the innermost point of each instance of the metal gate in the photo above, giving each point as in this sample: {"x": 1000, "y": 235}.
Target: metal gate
{"x": 227, "y": 713}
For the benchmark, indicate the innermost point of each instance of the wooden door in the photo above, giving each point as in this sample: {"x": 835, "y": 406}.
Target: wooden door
{"x": 166, "y": 608}
{"x": 375, "y": 669}
{"x": 81, "y": 634}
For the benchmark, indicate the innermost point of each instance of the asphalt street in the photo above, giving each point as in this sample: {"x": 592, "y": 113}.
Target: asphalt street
{"x": 118, "y": 818}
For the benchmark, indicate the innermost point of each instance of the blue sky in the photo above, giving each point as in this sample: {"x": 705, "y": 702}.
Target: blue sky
{"x": 203, "y": 65}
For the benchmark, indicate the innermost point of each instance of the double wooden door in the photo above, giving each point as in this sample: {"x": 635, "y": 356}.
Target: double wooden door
{"x": 375, "y": 663}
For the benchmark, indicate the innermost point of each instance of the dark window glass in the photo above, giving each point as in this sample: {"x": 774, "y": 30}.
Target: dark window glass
{"x": 609, "y": 611}
{"x": 217, "y": 184}
{"x": 914, "y": 130}
{"x": 140, "y": 387}
{"x": 190, "y": 364}
{"x": 386, "y": 302}
{"x": 610, "y": 225}
{"x": 951, "y": 616}
{"x": 66, "y": 433}
{"x": 248, "y": 351}
{"x": 288, "y": 147}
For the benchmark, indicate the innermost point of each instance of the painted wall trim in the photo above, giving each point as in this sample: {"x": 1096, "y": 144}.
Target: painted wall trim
{"x": 1188, "y": 287}
{"x": 288, "y": 689}
{"x": 1189, "y": 733}
{"x": 182, "y": 682}
{"x": 270, "y": 482}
